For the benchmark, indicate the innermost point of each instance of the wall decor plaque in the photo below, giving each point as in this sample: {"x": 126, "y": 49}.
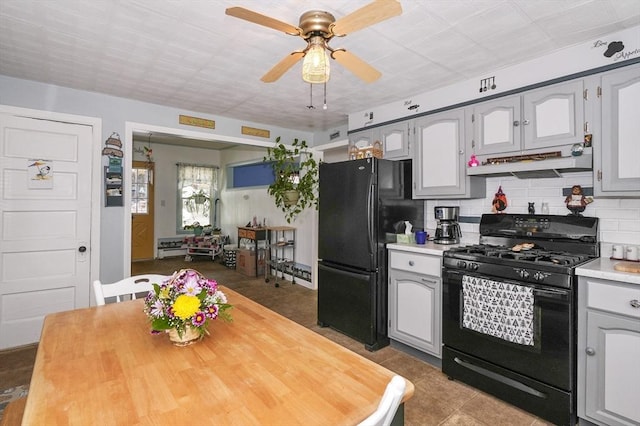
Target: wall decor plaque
{"x": 197, "y": 122}
{"x": 252, "y": 131}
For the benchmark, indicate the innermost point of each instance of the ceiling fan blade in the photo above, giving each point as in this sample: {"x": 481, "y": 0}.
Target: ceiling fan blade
{"x": 360, "y": 68}
{"x": 281, "y": 67}
{"x": 374, "y": 12}
{"x": 260, "y": 19}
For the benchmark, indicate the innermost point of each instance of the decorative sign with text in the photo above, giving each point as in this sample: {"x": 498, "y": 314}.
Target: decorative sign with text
{"x": 197, "y": 122}
{"x": 252, "y": 131}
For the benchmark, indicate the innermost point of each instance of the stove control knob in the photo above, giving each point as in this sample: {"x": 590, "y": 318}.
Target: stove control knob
{"x": 522, "y": 273}
{"x": 462, "y": 264}
{"x": 539, "y": 276}
{"x": 473, "y": 266}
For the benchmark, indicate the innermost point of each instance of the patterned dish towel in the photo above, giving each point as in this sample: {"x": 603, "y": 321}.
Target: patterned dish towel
{"x": 498, "y": 309}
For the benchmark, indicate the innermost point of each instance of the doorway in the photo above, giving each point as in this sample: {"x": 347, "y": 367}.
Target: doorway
{"x": 148, "y": 134}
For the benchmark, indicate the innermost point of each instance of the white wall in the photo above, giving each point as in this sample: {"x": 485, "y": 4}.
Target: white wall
{"x": 165, "y": 158}
{"x": 575, "y": 59}
{"x": 239, "y": 206}
{"x": 115, "y": 113}
{"x": 619, "y": 218}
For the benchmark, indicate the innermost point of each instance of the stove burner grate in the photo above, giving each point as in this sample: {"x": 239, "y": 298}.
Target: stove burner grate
{"x": 535, "y": 255}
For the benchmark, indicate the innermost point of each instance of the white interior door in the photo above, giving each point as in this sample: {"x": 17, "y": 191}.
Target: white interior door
{"x": 45, "y": 223}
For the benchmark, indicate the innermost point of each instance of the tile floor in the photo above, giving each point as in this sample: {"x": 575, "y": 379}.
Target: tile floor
{"x": 437, "y": 400}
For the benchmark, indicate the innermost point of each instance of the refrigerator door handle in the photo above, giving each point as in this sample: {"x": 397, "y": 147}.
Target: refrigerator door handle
{"x": 371, "y": 219}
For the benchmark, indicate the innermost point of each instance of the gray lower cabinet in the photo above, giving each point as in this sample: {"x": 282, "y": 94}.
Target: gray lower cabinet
{"x": 415, "y": 297}
{"x": 608, "y": 352}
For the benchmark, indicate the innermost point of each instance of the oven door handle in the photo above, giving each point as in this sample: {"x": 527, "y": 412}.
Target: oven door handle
{"x": 553, "y": 294}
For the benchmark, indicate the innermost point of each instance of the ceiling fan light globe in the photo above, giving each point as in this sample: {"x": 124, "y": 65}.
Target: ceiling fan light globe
{"x": 315, "y": 67}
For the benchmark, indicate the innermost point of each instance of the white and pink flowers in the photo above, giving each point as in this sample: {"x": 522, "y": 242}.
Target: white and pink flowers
{"x": 187, "y": 299}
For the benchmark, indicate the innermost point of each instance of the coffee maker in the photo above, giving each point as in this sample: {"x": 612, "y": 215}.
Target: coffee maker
{"x": 448, "y": 229}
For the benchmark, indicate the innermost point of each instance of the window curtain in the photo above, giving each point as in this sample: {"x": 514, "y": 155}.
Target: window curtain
{"x": 197, "y": 176}
{"x": 197, "y": 192}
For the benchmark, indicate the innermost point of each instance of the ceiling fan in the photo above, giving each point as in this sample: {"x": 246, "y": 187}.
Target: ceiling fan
{"x": 317, "y": 28}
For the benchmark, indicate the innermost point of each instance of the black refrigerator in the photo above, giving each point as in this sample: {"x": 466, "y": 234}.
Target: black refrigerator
{"x": 362, "y": 205}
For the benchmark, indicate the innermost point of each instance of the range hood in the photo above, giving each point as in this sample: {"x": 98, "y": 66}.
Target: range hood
{"x": 530, "y": 169}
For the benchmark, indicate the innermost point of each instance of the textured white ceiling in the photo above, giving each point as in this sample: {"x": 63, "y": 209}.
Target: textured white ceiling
{"x": 189, "y": 54}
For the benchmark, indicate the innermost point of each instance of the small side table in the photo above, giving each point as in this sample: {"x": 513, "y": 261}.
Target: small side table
{"x": 254, "y": 234}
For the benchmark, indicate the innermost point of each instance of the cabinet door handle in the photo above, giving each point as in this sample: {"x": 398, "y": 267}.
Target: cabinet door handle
{"x": 634, "y": 303}
{"x": 426, "y": 280}
{"x": 525, "y": 122}
{"x": 590, "y": 351}
{"x": 516, "y": 123}
{"x": 411, "y": 263}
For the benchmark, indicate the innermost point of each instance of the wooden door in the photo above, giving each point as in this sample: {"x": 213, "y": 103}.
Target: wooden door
{"x": 142, "y": 216}
{"x": 45, "y": 212}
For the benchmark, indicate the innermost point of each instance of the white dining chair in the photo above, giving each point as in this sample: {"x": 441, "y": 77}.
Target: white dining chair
{"x": 126, "y": 287}
{"x": 383, "y": 416}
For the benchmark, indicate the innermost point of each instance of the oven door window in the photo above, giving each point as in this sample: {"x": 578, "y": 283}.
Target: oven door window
{"x": 549, "y": 358}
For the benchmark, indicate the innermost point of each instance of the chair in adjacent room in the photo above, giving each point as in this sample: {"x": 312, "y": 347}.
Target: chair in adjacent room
{"x": 383, "y": 416}
{"x": 126, "y": 287}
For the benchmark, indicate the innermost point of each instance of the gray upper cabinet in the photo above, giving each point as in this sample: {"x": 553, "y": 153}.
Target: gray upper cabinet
{"x": 363, "y": 138}
{"x": 616, "y": 163}
{"x": 439, "y": 158}
{"x": 494, "y": 126}
{"x": 541, "y": 118}
{"x": 554, "y": 115}
{"x": 395, "y": 140}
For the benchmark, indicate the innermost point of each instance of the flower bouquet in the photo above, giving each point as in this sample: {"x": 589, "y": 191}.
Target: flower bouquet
{"x": 184, "y": 304}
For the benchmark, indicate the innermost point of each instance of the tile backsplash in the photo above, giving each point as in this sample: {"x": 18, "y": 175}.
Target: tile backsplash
{"x": 619, "y": 217}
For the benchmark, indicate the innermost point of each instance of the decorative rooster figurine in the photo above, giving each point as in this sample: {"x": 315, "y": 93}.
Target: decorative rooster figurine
{"x": 499, "y": 201}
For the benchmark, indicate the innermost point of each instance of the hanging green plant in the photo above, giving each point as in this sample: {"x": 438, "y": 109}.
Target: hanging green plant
{"x": 295, "y": 187}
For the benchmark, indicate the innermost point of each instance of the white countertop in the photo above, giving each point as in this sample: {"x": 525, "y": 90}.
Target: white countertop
{"x": 428, "y": 248}
{"x": 597, "y": 268}
{"x": 603, "y": 268}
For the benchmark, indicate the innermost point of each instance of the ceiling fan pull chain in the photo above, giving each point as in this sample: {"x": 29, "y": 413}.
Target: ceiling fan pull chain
{"x": 324, "y": 106}
{"x": 310, "y": 106}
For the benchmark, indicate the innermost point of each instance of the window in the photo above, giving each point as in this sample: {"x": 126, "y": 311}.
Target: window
{"x": 248, "y": 175}
{"x": 141, "y": 178}
{"x": 197, "y": 192}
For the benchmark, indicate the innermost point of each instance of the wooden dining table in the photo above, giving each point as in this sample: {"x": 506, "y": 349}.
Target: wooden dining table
{"x": 102, "y": 366}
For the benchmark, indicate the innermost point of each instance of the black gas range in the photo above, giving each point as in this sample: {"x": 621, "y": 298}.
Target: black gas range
{"x": 509, "y": 310}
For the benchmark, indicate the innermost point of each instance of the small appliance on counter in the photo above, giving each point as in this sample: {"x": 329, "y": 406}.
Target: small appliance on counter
{"x": 448, "y": 229}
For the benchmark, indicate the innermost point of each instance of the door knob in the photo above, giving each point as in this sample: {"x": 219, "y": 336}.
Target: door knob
{"x": 590, "y": 351}
{"x": 82, "y": 249}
